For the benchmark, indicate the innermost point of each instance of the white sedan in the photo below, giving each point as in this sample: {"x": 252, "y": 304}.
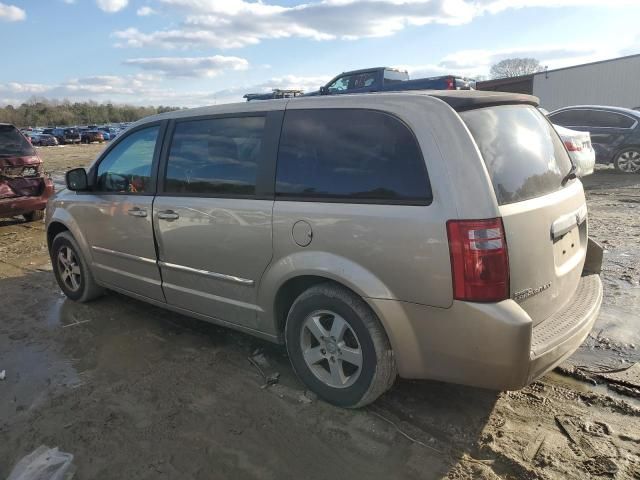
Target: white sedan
{"x": 578, "y": 144}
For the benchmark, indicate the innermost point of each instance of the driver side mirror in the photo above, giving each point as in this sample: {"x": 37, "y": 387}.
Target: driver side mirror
{"x": 77, "y": 180}
{"x": 324, "y": 90}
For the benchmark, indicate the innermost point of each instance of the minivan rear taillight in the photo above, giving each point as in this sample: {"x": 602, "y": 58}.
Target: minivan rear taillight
{"x": 450, "y": 83}
{"x": 479, "y": 260}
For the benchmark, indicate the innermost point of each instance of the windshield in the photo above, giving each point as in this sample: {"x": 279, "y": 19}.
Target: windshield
{"x": 12, "y": 143}
{"x": 523, "y": 153}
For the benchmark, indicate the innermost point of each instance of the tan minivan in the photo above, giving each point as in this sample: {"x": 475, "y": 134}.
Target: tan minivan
{"x": 432, "y": 235}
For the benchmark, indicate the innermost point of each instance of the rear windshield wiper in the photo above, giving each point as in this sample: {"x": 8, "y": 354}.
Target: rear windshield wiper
{"x": 571, "y": 174}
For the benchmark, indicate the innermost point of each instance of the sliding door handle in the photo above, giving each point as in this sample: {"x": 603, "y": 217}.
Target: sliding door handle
{"x": 169, "y": 215}
{"x": 137, "y": 212}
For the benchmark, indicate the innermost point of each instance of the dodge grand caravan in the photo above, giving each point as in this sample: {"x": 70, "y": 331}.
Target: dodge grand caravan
{"x": 431, "y": 235}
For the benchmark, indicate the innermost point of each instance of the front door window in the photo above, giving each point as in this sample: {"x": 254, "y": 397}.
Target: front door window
{"x": 127, "y": 168}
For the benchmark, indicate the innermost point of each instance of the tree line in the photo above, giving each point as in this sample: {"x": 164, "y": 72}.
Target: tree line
{"x": 43, "y": 112}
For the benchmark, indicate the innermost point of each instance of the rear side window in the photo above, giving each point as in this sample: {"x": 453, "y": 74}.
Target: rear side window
{"x": 215, "y": 156}
{"x": 350, "y": 155}
{"x": 13, "y": 143}
{"x": 523, "y": 154}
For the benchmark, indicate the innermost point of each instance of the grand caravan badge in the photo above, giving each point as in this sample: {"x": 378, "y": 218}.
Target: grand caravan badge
{"x": 530, "y": 292}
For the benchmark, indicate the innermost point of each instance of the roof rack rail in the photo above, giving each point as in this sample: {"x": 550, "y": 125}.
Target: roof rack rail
{"x": 275, "y": 93}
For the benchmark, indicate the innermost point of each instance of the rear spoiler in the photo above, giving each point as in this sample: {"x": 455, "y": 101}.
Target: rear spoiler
{"x": 461, "y": 100}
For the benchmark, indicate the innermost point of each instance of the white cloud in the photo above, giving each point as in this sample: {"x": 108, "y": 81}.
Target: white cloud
{"x": 112, "y": 6}
{"x": 190, "y": 66}
{"x": 145, "y": 11}
{"x": 23, "y": 88}
{"x": 238, "y": 23}
{"x": 11, "y": 13}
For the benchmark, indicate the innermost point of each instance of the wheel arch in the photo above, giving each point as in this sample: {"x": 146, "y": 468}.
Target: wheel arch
{"x": 61, "y": 221}
{"x": 285, "y": 280}
{"x": 618, "y": 151}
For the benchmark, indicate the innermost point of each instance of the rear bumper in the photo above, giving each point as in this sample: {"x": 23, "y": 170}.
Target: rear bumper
{"x": 559, "y": 336}
{"x": 486, "y": 345}
{"x": 20, "y": 205}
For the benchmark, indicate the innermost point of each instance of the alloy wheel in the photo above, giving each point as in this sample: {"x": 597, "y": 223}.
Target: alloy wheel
{"x": 69, "y": 268}
{"x": 629, "y": 161}
{"x": 331, "y": 349}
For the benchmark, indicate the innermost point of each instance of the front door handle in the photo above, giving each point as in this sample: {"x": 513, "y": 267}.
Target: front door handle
{"x": 168, "y": 215}
{"x": 137, "y": 212}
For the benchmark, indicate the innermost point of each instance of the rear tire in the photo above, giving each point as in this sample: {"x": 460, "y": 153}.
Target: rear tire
{"x": 338, "y": 347}
{"x": 34, "y": 216}
{"x": 628, "y": 160}
{"x": 72, "y": 270}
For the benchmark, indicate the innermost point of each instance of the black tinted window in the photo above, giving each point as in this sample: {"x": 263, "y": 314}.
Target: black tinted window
{"x": 350, "y": 154}
{"x": 127, "y": 167}
{"x": 571, "y": 118}
{"x": 13, "y": 143}
{"x": 522, "y": 152}
{"x": 600, "y": 118}
{"x": 218, "y": 156}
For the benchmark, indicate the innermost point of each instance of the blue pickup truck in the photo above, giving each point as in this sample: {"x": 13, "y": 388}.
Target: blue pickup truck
{"x": 381, "y": 79}
{"x": 385, "y": 79}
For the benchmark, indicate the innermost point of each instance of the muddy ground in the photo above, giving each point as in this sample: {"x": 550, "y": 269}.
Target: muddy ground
{"x": 137, "y": 392}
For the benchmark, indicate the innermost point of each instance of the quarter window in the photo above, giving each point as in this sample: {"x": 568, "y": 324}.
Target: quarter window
{"x": 352, "y": 155}
{"x": 127, "y": 167}
{"x": 215, "y": 156}
{"x": 600, "y": 118}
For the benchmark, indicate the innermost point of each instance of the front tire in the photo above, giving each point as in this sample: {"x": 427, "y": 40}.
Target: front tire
{"x": 338, "y": 348}
{"x": 72, "y": 271}
{"x": 628, "y": 160}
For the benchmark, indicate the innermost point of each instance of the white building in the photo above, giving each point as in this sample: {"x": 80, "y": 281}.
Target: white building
{"x": 614, "y": 82}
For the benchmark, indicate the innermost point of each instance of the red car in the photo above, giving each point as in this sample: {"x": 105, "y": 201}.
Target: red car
{"x": 24, "y": 189}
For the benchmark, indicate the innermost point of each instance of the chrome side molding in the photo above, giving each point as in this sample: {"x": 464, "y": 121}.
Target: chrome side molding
{"x": 217, "y": 276}
{"x": 128, "y": 256}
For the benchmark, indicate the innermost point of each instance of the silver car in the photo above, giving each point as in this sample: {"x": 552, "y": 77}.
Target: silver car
{"x": 430, "y": 235}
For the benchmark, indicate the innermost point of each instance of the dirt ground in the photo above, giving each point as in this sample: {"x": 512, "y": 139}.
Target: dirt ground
{"x": 133, "y": 391}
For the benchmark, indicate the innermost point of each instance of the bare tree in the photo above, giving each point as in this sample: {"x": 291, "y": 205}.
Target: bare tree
{"x": 514, "y": 67}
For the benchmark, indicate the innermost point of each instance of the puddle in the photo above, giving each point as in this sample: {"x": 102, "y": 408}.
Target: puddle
{"x": 32, "y": 371}
{"x": 615, "y": 338}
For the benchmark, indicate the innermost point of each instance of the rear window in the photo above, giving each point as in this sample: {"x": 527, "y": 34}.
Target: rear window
{"x": 350, "y": 155}
{"x": 523, "y": 154}
{"x": 13, "y": 143}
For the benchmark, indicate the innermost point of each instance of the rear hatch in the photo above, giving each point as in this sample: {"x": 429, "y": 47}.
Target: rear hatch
{"x": 20, "y": 167}
{"x": 544, "y": 219}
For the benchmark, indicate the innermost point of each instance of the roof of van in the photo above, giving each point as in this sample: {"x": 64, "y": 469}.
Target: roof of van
{"x": 457, "y": 99}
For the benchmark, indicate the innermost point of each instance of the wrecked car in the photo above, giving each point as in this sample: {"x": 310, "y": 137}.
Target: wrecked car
{"x": 24, "y": 189}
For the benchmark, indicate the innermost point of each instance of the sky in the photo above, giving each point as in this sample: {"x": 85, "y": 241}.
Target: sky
{"x": 201, "y": 52}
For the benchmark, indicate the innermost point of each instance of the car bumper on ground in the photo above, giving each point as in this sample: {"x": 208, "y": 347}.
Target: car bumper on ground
{"x": 20, "y": 205}
{"x": 492, "y": 346}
